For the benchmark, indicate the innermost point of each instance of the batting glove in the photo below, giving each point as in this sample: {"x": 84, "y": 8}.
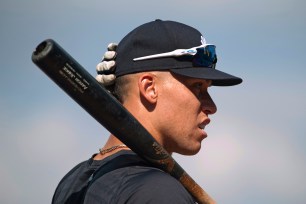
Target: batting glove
{"x": 106, "y": 68}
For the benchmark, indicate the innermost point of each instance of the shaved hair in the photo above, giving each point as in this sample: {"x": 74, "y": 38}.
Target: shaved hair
{"x": 121, "y": 87}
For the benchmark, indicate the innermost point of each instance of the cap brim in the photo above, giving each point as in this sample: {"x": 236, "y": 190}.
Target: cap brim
{"x": 218, "y": 78}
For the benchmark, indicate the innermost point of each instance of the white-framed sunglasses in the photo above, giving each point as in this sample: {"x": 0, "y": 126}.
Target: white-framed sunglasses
{"x": 203, "y": 55}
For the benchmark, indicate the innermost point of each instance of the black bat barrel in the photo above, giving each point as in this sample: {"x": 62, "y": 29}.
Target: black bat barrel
{"x": 67, "y": 73}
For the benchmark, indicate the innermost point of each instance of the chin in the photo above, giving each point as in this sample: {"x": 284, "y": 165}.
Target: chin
{"x": 189, "y": 151}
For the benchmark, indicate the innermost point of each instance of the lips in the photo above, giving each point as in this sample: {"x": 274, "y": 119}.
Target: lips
{"x": 204, "y": 123}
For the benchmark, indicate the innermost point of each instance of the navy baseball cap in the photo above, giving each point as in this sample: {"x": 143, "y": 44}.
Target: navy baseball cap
{"x": 168, "y": 45}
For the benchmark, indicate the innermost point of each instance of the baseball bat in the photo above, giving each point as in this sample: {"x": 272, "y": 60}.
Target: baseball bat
{"x": 81, "y": 86}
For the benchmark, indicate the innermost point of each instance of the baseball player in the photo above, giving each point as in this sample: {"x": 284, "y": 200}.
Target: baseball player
{"x": 161, "y": 72}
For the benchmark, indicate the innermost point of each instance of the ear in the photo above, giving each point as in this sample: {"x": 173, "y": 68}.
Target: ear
{"x": 147, "y": 87}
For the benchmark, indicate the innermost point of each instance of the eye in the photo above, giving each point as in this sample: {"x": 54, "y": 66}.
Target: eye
{"x": 197, "y": 89}
{"x": 198, "y": 85}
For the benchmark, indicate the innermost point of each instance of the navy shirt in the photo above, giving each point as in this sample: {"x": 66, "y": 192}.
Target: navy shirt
{"x": 133, "y": 184}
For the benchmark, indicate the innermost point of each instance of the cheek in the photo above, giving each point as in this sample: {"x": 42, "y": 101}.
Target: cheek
{"x": 182, "y": 112}
{"x": 179, "y": 109}
{"x": 183, "y": 104}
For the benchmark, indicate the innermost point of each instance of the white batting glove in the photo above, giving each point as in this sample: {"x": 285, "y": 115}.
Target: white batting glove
{"x": 106, "y": 68}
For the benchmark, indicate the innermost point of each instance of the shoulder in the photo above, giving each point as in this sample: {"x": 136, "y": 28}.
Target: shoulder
{"x": 74, "y": 181}
{"x": 151, "y": 185}
{"x": 80, "y": 172}
{"x": 139, "y": 184}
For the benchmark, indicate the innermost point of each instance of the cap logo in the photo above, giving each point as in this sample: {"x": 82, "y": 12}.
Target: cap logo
{"x": 203, "y": 41}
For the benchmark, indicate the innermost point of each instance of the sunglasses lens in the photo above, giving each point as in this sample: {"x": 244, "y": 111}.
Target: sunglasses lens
{"x": 205, "y": 57}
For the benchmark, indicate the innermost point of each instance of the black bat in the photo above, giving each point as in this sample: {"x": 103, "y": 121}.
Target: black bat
{"x": 67, "y": 73}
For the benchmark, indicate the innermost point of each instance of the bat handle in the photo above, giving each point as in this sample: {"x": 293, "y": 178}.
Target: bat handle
{"x": 197, "y": 192}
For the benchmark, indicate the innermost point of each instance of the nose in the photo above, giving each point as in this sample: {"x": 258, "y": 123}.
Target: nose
{"x": 208, "y": 105}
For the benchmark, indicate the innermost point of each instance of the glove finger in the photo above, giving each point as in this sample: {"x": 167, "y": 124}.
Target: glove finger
{"x": 106, "y": 80}
{"x": 106, "y": 66}
{"x": 109, "y": 55}
{"x": 112, "y": 46}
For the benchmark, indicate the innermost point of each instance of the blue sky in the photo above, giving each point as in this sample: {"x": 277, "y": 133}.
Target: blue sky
{"x": 255, "y": 151}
